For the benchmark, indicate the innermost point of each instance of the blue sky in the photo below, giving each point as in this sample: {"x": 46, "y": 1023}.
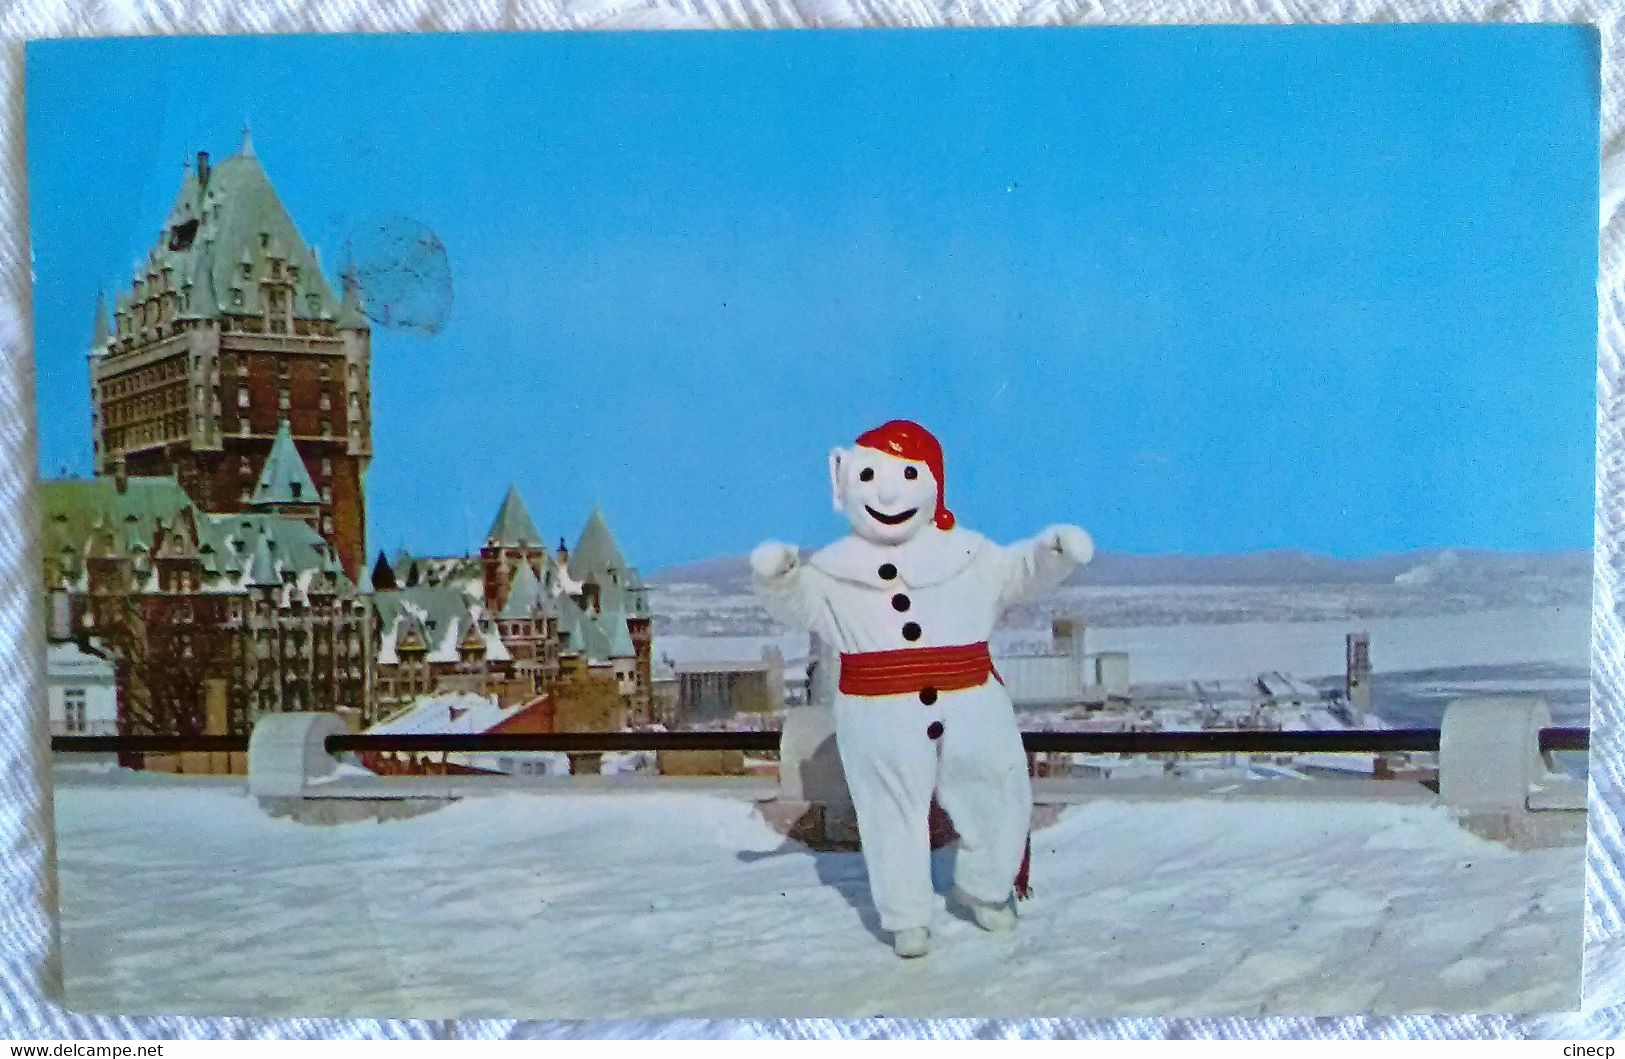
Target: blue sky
{"x": 1200, "y": 290}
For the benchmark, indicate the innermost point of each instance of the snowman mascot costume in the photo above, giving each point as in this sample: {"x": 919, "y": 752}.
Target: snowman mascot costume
{"x": 910, "y": 601}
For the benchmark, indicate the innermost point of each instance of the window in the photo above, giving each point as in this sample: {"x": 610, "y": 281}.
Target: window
{"x": 327, "y": 428}
{"x": 327, "y": 467}
{"x": 282, "y": 398}
{"x": 242, "y": 397}
{"x": 326, "y": 402}
{"x": 73, "y": 709}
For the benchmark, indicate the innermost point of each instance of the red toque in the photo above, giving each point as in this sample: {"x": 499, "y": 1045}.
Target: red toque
{"x": 913, "y": 442}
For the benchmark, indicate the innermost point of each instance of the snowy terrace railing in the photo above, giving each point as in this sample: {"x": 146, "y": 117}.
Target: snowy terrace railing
{"x": 1260, "y": 741}
{"x": 1495, "y": 771}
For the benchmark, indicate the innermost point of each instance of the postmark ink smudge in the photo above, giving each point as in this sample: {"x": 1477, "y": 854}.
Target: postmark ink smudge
{"x": 402, "y": 273}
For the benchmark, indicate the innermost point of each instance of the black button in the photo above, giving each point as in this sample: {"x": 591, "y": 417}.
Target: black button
{"x": 887, "y": 571}
{"x": 911, "y": 630}
{"x": 934, "y": 730}
{"x": 899, "y": 602}
{"x": 928, "y": 695}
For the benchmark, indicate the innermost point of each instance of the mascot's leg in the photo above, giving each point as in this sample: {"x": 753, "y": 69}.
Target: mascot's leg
{"x": 890, "y": 766}
{"x": 982, "y": 784}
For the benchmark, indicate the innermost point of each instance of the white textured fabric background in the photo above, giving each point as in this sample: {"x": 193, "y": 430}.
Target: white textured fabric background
{"x": 29, "y": 972}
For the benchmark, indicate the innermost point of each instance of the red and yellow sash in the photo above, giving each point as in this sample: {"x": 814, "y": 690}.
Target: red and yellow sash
{"x": 913, "y": 669}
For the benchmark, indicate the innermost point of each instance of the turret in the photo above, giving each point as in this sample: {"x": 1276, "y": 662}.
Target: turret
{"x": 383, "y": 575}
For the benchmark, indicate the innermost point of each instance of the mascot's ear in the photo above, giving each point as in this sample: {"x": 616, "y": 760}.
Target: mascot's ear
{"x": 837, "y": 480}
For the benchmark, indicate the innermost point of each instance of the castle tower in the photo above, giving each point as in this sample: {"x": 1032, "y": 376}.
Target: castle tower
{"x": 285, "y": 486}
{"x": 511, "y": 541}
{"x": 227, "y": 330}
{"x": 613, "y": 585}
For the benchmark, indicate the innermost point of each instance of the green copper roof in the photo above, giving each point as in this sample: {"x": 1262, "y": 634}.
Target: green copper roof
{"x": 620, "y": 637}
{"x": 292, "y": 544}
{"x": 225, "y": 218}
{"x": 439, "y": 614}
{"x": 154, "y": 515}
{"x": 603, "y": 635}
{"x": 261, "y": 567}
{"x": 571, "y": 619}
{"x": 285, "y": 479}
{"x": 513, "y": 526}
{"x": 524, "y": 594}
{"x": 90, "y": 516}
{"x": 596, "y": 554}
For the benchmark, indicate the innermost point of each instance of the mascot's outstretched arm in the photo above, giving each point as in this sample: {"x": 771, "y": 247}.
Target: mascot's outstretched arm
{"x": 1035, "y": 566}
{"x": 788, "y": 589}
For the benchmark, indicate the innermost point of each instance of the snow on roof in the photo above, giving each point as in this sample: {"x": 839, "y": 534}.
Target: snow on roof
{"x": 458, "y": 712}
{"x": 445, "y": 615}
{"x": 67, "y": 658}
{"x": 225, "y": 220}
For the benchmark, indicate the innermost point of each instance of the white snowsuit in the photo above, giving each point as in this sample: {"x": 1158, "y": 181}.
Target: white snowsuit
{"x": 941, "y": 588}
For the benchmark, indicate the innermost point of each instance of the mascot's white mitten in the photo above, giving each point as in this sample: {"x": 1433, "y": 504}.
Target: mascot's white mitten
{"x": 1070, "y": 542}
{"x": 772, "y": 559}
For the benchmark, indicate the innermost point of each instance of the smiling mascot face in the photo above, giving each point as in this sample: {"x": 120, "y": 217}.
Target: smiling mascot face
{"x": 889, "y": 484}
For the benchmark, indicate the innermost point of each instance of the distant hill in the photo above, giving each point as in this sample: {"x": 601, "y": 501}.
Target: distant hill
{"x": 731, "y": 573}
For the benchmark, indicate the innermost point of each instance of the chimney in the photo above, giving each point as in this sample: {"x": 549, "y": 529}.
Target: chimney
{"x": 202, "y": 169}
{"x": 61, "y": 616}
{"x": 121, "y": 475}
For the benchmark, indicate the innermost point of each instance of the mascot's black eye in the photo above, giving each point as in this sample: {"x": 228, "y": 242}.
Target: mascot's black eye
{"x": 911, "y": 473}
{"x": 866, "y": 475}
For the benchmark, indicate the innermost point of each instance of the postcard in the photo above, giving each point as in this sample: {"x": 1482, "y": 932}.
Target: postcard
{"x": 1034, "y": 522}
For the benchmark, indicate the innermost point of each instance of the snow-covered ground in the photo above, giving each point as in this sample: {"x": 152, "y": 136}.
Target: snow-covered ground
{"x": 182, "y": 896}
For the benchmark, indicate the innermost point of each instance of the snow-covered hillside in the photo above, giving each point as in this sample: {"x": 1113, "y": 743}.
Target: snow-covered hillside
{"x": 182, "y": 896}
